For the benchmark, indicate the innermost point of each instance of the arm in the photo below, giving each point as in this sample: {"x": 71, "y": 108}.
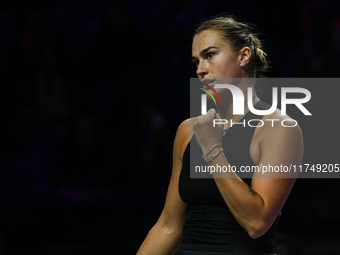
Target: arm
{"x": 165, "y": 236}
{"x": 257, "y": 206}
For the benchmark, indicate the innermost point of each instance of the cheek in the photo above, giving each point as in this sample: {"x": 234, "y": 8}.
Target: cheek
{"x": 232, "y": 70}
{"x": 220, "y": 70}
{"x": 225, "y": 69}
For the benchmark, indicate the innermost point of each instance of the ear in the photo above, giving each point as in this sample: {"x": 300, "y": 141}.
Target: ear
{"x": 245, "y": 57}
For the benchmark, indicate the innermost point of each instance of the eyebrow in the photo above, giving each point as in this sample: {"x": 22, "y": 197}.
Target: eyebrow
{"x": 203, "y": 52}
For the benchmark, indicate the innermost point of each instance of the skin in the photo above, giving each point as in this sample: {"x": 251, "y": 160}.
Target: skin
{"x": 255, "y": 207}
{"x": 215, "y": 60}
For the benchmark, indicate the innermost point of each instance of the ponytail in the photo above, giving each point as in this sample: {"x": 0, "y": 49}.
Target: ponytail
{"x": 259, "y": 57}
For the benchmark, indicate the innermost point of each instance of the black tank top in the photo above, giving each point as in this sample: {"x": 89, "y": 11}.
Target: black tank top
{"x": 209, "y": 224}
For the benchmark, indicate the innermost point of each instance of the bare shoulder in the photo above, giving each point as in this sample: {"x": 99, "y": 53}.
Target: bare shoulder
{"x": 183, "y": 136}
{"x": 276, "y": 124}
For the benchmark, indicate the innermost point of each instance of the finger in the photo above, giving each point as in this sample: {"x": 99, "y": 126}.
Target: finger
{"x": 198, "y": 121}
{"x": 212, "y": 112}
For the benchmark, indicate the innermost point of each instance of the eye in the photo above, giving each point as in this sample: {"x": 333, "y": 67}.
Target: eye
{"x": 210, "y": 55}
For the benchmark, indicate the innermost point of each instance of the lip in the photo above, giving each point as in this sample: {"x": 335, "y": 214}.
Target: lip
{"x": 207, "y": 81}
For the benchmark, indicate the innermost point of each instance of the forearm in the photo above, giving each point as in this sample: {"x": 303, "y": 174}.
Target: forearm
{"x": 257, "y": 206}
{"x": 246, "y": 205}
{"x": 160, "y": 241}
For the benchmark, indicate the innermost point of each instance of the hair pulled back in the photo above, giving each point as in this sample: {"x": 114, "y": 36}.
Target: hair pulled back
{"x": 239, "y": 35}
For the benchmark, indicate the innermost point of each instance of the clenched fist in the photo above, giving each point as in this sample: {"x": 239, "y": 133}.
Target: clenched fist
{"x": 206, "y": 134}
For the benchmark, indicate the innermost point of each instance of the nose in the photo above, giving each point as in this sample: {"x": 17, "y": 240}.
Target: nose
{"x": 202, "y": 69}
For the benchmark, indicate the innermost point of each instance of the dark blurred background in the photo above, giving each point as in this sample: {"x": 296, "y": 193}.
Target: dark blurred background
{"x": 92, "y": 93}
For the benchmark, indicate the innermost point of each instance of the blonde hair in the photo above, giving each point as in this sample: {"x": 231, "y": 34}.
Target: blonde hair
{"x": 239, "y": 35}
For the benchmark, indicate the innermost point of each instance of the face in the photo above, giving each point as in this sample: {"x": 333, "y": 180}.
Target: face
{"x": 215, "y": 59}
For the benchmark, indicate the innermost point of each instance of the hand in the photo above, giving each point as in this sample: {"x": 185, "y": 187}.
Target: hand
{"x": 206, "y": 134}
